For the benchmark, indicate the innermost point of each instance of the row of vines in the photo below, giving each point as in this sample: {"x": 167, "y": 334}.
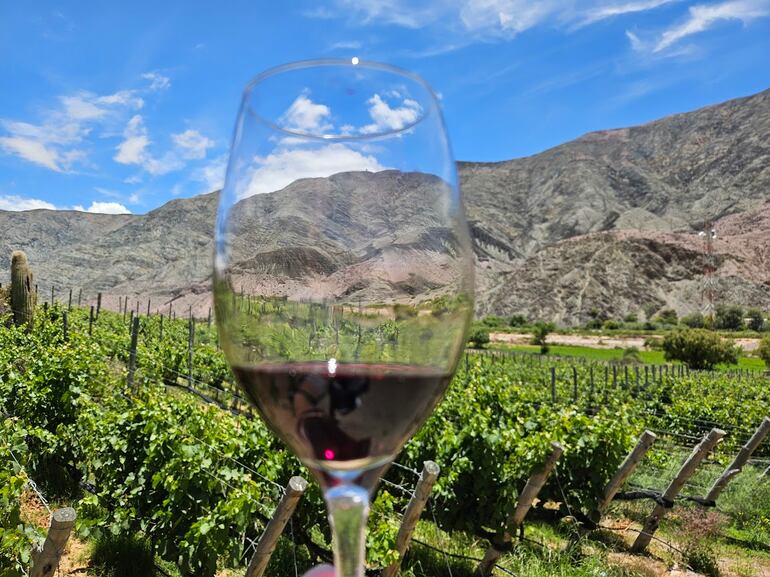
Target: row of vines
{"x": 200, "y": 483}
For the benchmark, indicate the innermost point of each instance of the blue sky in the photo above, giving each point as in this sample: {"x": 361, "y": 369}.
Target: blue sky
{"x": 115, "y": 107}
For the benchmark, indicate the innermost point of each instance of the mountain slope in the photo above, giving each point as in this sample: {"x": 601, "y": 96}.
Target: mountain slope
{"x": 607, "y": 221}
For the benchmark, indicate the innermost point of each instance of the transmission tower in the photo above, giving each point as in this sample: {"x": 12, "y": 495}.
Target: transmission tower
{"x": 709, "y": 288}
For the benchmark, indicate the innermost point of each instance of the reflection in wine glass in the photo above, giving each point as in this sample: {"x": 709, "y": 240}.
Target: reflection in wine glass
{"x": 343, "y": 270}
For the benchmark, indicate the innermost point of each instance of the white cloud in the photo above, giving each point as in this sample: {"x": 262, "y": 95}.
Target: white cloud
{"x": 134, "y": 198}
{"x": 281, "y": 168}
{"x": 386, "y": 118}
{"x": 54, "y": 143}
{"x": 346, "y": 45}
{"x": 158, "y": 82}
{"x": 703, "y": 16}
{"x": 192, "y": 143}
{"x": 16, "y": 203}
{"x": 602, "y": 12}
{"x": 133, "y": 148}
{"x": 31, "y": 150}
{"x": 104, "y": 208}
{"x": 212, "y": 174}
{"x": 306, "y": 116}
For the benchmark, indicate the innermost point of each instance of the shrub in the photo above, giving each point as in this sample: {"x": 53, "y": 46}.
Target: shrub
{"x": 694, "y": 321}
{"x": 729, "y": 318}
{"x": 698, "y": 349}
{"x": 594, "y": 324}
{"x": 611, "y": 325}
{"x": 668, "y": 317}
{"x": 756, "y": 319}
{"x": 479, "y": 337}
{"x": 492, "y": 321}
{"x": 653, "y": 343}
{"x": 631, "y": 318}
{"x": 764, "y": 350}
{"x": 517, "y": 320}
{"x": 122, "y": 556}
{"x": 540, "y": 334}
{"x": 631, "y": 355}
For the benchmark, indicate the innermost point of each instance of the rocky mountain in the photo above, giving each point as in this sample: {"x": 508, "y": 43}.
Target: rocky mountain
{"x": 608, "y": 221}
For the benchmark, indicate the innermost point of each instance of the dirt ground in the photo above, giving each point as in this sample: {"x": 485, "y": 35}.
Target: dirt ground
{"x": 596, "y": 341}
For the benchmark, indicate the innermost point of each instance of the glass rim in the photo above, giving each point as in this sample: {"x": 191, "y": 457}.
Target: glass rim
{"x": 352, "y": 63}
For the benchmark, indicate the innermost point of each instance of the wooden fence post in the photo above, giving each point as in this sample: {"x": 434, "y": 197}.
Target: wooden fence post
{"x": 740, "y": 460}
{"x": 574, "y": 384}
{"x": 98, "y": 304}
{"x": 52, "y": 295}
{"x": 80, "y": 296}
{"x": 160, "y": 337}
{"x": 149, "y": 300}
{"x": 685, "y": 472}
{"x": 553, "y": 384}
{"x": 208, "y": 320}
{"x": 69, "y": 301}
{"x": 45, "y": 562}
{"x": 430, "y": 471}
{"x": 527, "y": 496}
{"x": 91, "y": 321}
{"x": 132, "y": 352}
{"x": 65, "y": 325}
{"x": 190, "y": 342}
{"x": 626, "y": 468}
{"x": 281, "y": 516}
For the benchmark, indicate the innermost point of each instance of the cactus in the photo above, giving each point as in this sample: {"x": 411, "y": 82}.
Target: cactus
{"x": 22, "y": 291}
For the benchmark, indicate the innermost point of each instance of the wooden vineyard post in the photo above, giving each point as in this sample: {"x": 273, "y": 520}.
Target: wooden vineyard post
{"x": 553, "y": 385}
{"x": 208, "y": 319}
{"x": 160, "y": 336}
{"x": 740, "y": 460}
{"x": 65, "y": 325}
{"x": 45, "y": 562}
{"x": 574, "y": 385}
{"x": 98, "y": 304}
{"x": 281, "y": 516}
{"x": 132, "y": 352}
{"x": 91, "y": 321}
{"x": 69, "y": 301}
{"x": 667, "y": 500}
{"x": 190, "y": 342}
{"x": 503, "y": 540}
{"x": 430, "y": 471}
{"x": 53, "y": 298}
{"x": 149, "y": 300}
{"x": 80, "y": 296}
{"x": 626, "y": 468}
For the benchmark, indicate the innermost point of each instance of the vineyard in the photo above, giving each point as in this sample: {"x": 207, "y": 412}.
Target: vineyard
{"x": 135, "y": 423}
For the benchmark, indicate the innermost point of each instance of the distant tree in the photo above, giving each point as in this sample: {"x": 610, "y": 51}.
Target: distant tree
{"x": 594, "y": 324}
{"x": 479, "y": 337}
{"x": 668, "y": 317}
{"x": 694, "y": 321}
{"x": 649, "y": 310}
{"x": 698, "y": 349}
{"x": 610, "y": 325}
{"x": 756, "y": 320}
{"x": 540, "y": 334}
{"x": 493, "y": 321}
{"x": 517, "y": 320}
{"x": 631, "y": 318}
{"x": 728, "y": 317}
{"x": 764, "y": 350}
{"x": 631, "y": 356}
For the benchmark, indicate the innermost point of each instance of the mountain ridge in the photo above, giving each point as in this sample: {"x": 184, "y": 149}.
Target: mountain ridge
{"x": 531, "y": 218}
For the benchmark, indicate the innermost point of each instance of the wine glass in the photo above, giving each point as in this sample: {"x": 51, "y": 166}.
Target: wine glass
{"x": 343, "y": 274}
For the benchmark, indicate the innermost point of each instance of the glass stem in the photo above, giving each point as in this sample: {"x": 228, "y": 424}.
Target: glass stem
{"x": 348, "y": 507}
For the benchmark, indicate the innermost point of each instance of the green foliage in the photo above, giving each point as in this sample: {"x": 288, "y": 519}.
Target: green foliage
{"x": 764, "y": 349}
{"x": 122, "y": 556}
{"x": 668, "y": 317}
{"x": 540, "y": 334}
{"x": 728, "y": 317}
{"x": 478, "y": 337}
{"x": 631, "y": 318}
{"x": 698, "y": 349}
{"x": 694, "y": 320}
{"x": 756, "y": 320}
{"x": 493, "y": 321}
{"x": 517, "y": 320}
{"x": 610, "y": 325}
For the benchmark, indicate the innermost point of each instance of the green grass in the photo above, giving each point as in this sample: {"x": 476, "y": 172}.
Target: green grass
{"x": 604, "y": 355}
